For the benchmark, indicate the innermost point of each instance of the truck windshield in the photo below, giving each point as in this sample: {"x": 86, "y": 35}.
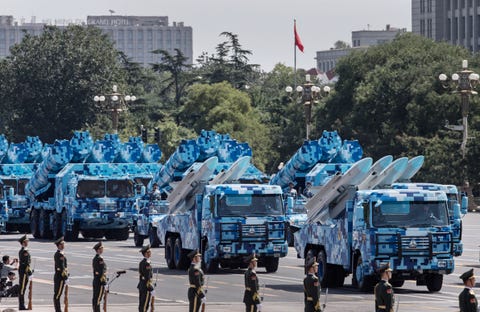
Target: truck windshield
{"x": 7, "y": 183}
{"x": 120, "y": 188}
{"x": 409, "y": 214}
{"x": 91, "y": 189}
{"x": 21, "y": 186}
{"x": 248, "y": 205}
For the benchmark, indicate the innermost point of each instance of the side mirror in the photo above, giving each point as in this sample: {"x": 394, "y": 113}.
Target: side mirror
{"x": 143, "y": 190}
{"x": 290, "y": 204}
{"x": 464, "y": 206}
{"x": 359, "y": 216}
{"x": 456, "y": 211}
{"x": 11, "y": 192}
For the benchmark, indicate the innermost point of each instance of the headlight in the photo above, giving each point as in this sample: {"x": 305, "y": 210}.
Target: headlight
{"x": 442, "y": 263}
{"x": 227, "y": 248}
{"x": 277, "y": 247}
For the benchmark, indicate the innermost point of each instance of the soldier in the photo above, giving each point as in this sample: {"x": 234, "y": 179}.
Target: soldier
{"x": 145, "y": 283}
{"x": 99, "y": 277}
{"x": 61, "y": 273}
{"x": 250, "y": 296}
{"x": 311, "y": 287}
{"x": 384, "y": 298}
{"x": 24, "y": 271}
{"x": 466, "y": 299}
{"x": 196, "y": 294}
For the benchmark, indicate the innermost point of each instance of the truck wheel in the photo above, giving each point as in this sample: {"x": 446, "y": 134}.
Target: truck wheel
{"x": 57, "y": 225}
{"x": 339, "y": 278}
{"x": 169, "y": 253}
{"x": 70, "y": 235}
{"x": 153, "y": 237}
{"x": 179, "y": 256}
{"x": 434, "y": 282}
{"x": 44, "y": 224}
{"x": 363, "y": 282}
{"x": 138, "y": 239}
{"x": 210, "y": 265}
{"x": 323, "y": 272}
{"x": 34, "y": 223}
{"x": 271, "y": 264}
{"x": 290, "y": 239}
{"x": 397, "y": 282}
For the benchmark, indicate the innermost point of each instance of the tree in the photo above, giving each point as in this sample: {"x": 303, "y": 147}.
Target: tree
{"x": 224, "y": 109}
{"x": 389, "y": 98}
{"x": 48, "y": 82}
{"x": 339, "y": 44}
{"x": 229, "y": 64}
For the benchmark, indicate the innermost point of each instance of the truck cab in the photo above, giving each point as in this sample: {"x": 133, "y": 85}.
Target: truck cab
{"x": 410, "y": 229}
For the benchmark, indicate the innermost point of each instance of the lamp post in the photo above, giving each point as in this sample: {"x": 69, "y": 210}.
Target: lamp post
{"x": 310, "y": 94}
{"x": 464, "y": 83}
{"x": 116, "y": 103}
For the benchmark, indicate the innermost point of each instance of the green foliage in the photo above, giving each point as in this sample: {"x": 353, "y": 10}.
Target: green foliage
{"x": 48, "y": 82}
{"x": 224, "y": 109}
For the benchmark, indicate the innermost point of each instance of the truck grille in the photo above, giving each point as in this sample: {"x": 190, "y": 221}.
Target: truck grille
{"x": 235, "y": 232}
{"x": 397, "y": 245}
{"x": 107, "y": 207}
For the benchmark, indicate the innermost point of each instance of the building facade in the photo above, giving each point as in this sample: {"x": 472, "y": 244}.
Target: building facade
{"x": 361, "y": 39}
{"x": 136, "y": 36}
{"x": 453, "y": 21}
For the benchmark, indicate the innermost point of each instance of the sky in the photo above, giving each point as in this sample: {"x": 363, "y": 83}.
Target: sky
{"x": 265, "y": 27}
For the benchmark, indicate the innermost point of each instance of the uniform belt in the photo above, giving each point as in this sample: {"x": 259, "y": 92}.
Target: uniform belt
{"x": 309, "y": 299}
{"x": 248, "y": 288}
{"x": 382, "y": 307}
{"x": 193, "y": 286}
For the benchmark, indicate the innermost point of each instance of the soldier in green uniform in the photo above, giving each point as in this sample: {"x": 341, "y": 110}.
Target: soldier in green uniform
{"x": 145, "y": 284}
{"x": 384, "y": 298}
{"x": 467, "y": 300}
{"x": 196, "y": 294}
{"x": 24, "y": 271}
{"x": 99, "y": 277}
{"x": 61, "y": 273}
{"x": 311, "y": 287}
{"x": 250, "y": 296}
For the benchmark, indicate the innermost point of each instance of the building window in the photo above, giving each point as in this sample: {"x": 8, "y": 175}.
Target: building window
{"x": 422, "y": 27}
{"x": 429, "y": 28}
{"x": 455, "y": 4}
{"x": 422, "y": 6}
{"x": 449, "y": 29}
{"x": 429, "y": 6}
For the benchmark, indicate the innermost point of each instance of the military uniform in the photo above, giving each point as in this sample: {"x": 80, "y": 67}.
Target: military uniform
{"x": 467, "y": 300}
{"x": 61, "y": 275}
{"x": 196, "y": 280}
{"x": 250, "y": 296}
{"x": 384, "y": 297}
{"x": 99, "y": 278}
{"x": 145, "y": 284}
{"x": 311, "y": 289}
{"x": 24, "y": 272}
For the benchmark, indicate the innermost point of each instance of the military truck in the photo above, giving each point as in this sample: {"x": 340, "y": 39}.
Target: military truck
{"x": 18, "y": 163}
{"x": 87, "y": 187}
{"x": 457, "y": 207}
{"x": 352, "y": 231}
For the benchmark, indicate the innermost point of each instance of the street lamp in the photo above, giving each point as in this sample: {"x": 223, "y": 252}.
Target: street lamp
{"x": 464, "y": 83}
{"x": 310, "y": 94}
{"x": 116, "y": 103}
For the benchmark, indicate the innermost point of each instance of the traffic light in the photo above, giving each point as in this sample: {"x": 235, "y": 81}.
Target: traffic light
{"x": 157, "y": 135}
{"x": 145, "y": 135}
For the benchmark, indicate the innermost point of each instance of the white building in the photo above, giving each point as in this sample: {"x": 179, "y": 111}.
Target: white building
{"x": 136, "y": 36}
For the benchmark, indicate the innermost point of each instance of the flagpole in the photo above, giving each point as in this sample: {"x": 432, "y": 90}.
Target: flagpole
{"x": 294, "y": 57}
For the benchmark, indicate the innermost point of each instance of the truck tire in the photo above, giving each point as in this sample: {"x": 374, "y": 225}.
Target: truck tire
{"x": 138, "y": 239}
{"x": 289, "y": 235}
{"x": 34, "y": 223}
{"x": 434, "y": 282}
{"x": 323, "y": 269}
{"x": 361, "y": 281}
{"x": 70, "y": 235}
{"x": 339, "y": 276}
{"x": 179, "y": 256}
{"x": 57, "y": 230}
{"x": 169, "y": 252}
{"x": 153, "y": 237}
{"x": 271, "y": 264}
{"x": 44, "y": 224}
{"x": 117, "y": 234}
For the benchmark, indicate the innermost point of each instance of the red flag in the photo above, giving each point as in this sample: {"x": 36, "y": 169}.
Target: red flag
{"x": 298, "y": 42}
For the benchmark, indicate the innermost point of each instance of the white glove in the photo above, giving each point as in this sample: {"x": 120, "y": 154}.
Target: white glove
{"x": 204, "y": 300}
{"x": 259, "y": 307}
{"x": 66, "y": 282}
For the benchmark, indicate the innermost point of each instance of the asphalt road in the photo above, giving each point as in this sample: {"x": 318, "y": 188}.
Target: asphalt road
{"x": 283, "y": 290}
